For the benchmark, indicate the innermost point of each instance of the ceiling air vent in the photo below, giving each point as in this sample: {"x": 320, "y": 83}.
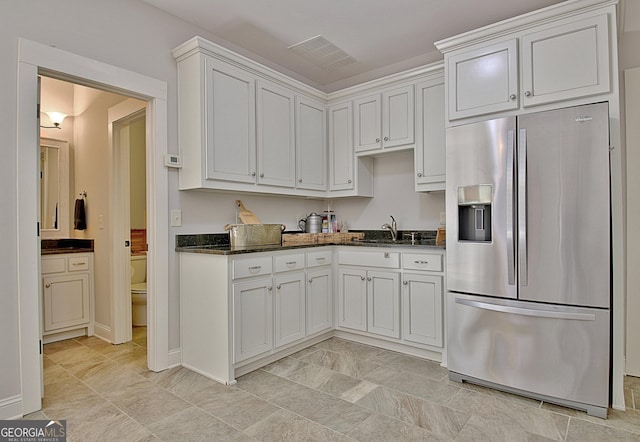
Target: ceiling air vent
{"x": 322, "y": 52}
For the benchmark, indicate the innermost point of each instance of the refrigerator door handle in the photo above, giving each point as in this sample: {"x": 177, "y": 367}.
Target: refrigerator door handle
{"x": 511, "y": 260}
{"x": 527, "y": 311}
{"x": 522, "y": 206}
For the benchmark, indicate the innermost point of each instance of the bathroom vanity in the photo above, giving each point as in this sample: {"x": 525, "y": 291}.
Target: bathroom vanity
{"x": 67, "y": 289}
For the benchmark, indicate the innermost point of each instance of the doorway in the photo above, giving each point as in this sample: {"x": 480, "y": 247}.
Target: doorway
{"x": 36, "y": 59}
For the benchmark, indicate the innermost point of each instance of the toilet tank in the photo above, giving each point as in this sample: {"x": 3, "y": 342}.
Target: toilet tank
{"x": 138, "y": 269}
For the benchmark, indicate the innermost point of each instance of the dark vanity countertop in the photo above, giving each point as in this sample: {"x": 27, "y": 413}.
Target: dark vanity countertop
{"x": 65, "y": 245}
{"x": 218, "y": 243}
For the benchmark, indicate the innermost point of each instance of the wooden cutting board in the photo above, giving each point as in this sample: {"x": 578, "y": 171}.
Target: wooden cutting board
{"x": 246, "y": 215}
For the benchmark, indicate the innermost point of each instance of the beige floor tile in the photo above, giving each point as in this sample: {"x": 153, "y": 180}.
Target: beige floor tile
{"x": 381, "y": 428}
{"x": 435, "y": 418}
{"x": 263, "y": 384}
{"x": 286, "y": 426}
{"x": 348, "y": 348}
{"x": 233, "y": 406}
{"x": 284, "y": 367}
{"x": 322, "y": 408}
{"x": 414, "y": 365}
{"x": 358, "y": 392}
{"x": 341, "y": 363}
{"x": 193, "y": 424}
{"x": 510, "y": 415}
{"x": 439, "y": 392}
{"x": 146, "y": 402}
{"x": 583, "y": 431}
{"x": 181, "y": 381}
{"x": 107, "y": 376}
{"x": 495, "y": 429}
{"x": 105, "y": 422}
{"x": 311, "y": 375}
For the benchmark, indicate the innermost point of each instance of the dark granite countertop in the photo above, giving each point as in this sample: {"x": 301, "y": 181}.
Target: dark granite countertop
{"x": 65, "y": 245}
{"x": 218, "y": 243}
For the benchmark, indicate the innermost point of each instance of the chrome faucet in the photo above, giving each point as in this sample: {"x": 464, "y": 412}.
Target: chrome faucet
{"x": 393, "y": 228}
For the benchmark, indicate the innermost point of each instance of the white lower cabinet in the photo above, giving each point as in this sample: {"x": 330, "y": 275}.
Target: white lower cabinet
{"x": 369, "y": 301}
{"x": 319, "y": 300}
{"x": 352, "y": 298}
{"x": 422, "y": 309}
{"x": 253, "y": 318}
{"x": 289, "y": 308}
{"x": 67, "y": 294}
{"x": 241, "y": 312}
{"x": 383, "y": 303}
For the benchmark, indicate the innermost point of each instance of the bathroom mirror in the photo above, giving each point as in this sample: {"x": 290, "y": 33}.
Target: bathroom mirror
{"x": 54, "y": 188}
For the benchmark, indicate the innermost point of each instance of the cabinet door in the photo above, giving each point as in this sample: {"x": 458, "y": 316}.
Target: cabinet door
{"x": 383, "y": 303}
{"x": 290, "y": 308}
{"x": 483, "y": 80}
{"x": 366, "y": 123}
{"x": 311, "y": 146}
{"x": 398, "y": 117}
{"x": 341, "y": 147}
{"x": 276, "y": 138}
{"x": 566, "y": 62}
{"x": 422, "y": 309}
{"x": 319, "y": 301}
{"x": 430, "y": 136}
{"x": 66, "y": 301}
{"x": 253, "y": 318}
{"x": 231, "y": 125}
{"x": 352, "y": 299}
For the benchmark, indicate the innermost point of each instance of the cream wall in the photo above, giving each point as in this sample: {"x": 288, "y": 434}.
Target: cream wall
{"x": 137, "y": 173}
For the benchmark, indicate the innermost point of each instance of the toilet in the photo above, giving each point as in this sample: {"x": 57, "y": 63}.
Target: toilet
{"x": 139, "y": 290}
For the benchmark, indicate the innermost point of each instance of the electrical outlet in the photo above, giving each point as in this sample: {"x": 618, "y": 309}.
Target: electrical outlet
{"x": 176, "y": 218}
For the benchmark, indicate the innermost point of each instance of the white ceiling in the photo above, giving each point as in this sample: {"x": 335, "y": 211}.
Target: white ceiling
{"x": 384, "y": 36}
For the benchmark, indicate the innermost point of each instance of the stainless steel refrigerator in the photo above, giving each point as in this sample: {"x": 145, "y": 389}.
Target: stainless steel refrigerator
{"x": 528, "y": 255}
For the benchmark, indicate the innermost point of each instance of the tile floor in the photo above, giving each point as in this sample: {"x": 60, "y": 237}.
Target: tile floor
{"x": 336, "y": 390}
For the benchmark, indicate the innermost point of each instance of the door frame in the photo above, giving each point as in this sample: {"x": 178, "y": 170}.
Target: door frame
{"x": 120, "y": 116}
{"x": 34, "y": 59}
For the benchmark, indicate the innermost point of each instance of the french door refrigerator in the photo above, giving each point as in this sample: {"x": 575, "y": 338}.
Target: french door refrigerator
{"x": 528, "y": 255}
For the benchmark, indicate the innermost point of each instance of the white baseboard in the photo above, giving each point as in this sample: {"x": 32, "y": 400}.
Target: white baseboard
{"x": 103, "y": 332}
{"x": 175, "y": 358}
{"x": 11, "y": 407}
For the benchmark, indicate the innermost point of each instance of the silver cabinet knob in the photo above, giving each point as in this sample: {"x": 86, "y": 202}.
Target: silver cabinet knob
{"x": 369, "y": 278}
{"x": 349, "y": 181}
{"x": 528, "y": 94}
{"x": 386, "y": 138}
{"x": 269, "y": 288}
{"x": 310, "y": 280}
{"x": 405, "y": 282}
{"x": 512, "y": 97}
{"x": 278, "y": 286}
{"x": 299, "y": 180}
{"x": 262, "y": 175}
{"x": 48, "y": 285}
{"x": 253, "y": 173}
{"x": 362, "y": 278}
{"x": 377, "y": 140}
{"x": 419, "y": 174}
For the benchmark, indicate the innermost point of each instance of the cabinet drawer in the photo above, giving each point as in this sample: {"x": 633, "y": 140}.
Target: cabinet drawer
{"x": 390, "y": 260}
{"x": 316, "y": 259}
{"x": 284, "y": 263}
{"x": 53, "y": 265}
{"x": 422, "y": 261}
{"x": 243, "y": 268}
{"x": 79, "y": 263}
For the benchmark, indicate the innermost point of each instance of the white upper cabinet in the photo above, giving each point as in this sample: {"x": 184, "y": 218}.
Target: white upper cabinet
{"x": 545, "y": 58}
{"x": 275, "y": 135}
{"x": 483, "y": 80}
{"x": 230, "y": 123}
{"x": 311, "y": 144}
{"x": 341, "y": 147}
{"x": 348, "y": 174}
{"x": 429, "y": 153}
{"x": 384, "y": 120}
{"x": 566, "y": 62}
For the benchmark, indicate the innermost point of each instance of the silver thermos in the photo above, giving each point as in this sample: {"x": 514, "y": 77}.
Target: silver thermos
{"x": 313, "y": 223}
